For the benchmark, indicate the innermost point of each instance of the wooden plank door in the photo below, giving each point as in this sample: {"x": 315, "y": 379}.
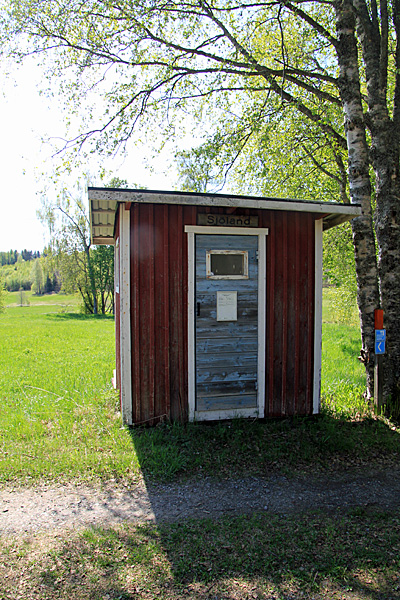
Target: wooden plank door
{"x": 226, "y": 322}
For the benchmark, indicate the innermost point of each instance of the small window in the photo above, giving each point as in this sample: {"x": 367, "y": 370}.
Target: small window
{"x": 227, "y": 264}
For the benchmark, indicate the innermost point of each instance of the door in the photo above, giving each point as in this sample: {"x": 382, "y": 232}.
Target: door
{"x": 226, "y": 324}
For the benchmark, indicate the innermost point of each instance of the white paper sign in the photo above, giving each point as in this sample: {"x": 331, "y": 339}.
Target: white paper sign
{"x": 227, "y": 306}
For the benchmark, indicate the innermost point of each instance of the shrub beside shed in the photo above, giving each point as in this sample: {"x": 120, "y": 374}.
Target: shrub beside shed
{"x": 218, "y": 302}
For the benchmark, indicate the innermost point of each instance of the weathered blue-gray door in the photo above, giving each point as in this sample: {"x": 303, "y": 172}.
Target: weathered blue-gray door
{"x": 226, "y": 330}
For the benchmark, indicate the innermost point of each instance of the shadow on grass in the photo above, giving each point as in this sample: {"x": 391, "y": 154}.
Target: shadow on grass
{"x": 262, "y": 556}
{"x": 254, "y": 448}
{"x": 258, "y": 555}
{"x": 69, "y": 316}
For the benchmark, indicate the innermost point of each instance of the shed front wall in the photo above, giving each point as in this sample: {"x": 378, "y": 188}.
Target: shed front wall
{"x": 159, "y": 310}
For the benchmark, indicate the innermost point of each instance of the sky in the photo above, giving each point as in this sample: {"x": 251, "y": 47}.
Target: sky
{"x": 26, "y": 118}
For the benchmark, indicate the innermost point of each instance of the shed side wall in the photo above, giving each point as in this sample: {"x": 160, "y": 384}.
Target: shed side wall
{"x": 159, "y": 288}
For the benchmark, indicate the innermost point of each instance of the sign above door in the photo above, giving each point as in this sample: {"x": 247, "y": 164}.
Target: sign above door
{"x": 226, "y": 220}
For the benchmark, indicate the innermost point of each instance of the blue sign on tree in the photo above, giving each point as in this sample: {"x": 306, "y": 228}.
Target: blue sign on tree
{"x": 380, "y": 341}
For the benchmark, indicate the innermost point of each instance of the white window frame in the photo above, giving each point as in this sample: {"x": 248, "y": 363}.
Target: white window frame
{"x": 243, "y": 253}
{"x": 259, "y": 411}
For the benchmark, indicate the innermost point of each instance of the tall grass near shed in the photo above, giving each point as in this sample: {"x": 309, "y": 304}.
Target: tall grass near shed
{"x": 343, "y": 375}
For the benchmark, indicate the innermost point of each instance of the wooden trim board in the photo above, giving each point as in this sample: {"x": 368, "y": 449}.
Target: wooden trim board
{"x": 125, "y": 318}
{"x": 317, "y": 318}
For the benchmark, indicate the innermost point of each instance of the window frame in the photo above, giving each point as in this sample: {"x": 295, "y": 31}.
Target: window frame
{"x": 243, "y": 253}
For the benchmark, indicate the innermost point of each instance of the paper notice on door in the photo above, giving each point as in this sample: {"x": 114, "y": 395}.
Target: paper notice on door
{"x": 227, "y": 306}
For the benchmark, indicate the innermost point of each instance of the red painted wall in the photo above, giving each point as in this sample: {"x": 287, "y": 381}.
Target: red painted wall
{"x": 159, "y": 286}
{"x": 289, "y": 313}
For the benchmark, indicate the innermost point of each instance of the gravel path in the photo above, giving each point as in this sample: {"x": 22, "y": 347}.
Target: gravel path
{"x": 69, "y": 506}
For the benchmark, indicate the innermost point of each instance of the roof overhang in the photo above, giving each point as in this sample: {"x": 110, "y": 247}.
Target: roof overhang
{"x": 103, "y": 205}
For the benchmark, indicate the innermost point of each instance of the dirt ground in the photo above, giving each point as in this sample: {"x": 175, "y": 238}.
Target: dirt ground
{"x": 50, "y": 507}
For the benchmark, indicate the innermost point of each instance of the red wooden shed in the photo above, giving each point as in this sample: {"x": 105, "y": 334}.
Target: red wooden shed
{"x": 218, "y": 302}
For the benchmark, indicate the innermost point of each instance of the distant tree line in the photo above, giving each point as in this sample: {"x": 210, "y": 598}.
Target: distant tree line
{"x": 34, "y": 272}
{"x": 70, "y": 264}
{"x": 11, "y": 257}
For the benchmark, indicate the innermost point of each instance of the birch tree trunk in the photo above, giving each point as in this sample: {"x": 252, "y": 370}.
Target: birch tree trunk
{"x": 384, "y": 155}
{"x": 359, "y": 181}
{"x": 91, "y": 277}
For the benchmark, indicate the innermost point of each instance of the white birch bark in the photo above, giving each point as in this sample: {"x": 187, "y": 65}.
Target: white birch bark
{"x": 384, "y": 157}
{"x": 359, "y": 181}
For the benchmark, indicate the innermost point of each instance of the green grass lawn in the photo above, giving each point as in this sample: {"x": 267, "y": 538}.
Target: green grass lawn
{"x": 342, "y": 375}
{"x": 68, "y": 302}
{"x": 60, "y": 419}
{"x": 58, "y": 411}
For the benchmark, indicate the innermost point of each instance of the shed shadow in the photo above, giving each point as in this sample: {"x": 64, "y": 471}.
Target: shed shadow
{"x": 70, "y": 316}
{"x": 241, "y": 448}
{"x": 234, "y": 558}
{"x": 222, "y": 522}
{"x": 283, "y": 467}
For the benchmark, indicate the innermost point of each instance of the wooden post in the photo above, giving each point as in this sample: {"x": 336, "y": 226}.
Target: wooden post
{"x": 378, "y": 383}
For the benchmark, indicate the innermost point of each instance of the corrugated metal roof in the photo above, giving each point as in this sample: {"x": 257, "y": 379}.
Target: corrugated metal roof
{"x": 102, "y": 220}
{"x": 103, "y": 204}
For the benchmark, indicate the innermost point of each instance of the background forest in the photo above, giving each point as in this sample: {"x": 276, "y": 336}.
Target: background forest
{"x": 65, "y": 272}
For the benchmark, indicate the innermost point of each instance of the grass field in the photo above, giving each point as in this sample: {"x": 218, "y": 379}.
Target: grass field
{"x": 342, "y": 376}
{"x": 58, "y": 409}
{"x": 65, "y": 302}
{"x": 59, "y": 420}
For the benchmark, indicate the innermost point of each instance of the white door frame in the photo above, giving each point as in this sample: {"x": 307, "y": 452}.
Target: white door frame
{"x": 318, "y": 317}
{"x": 261, "y": 233}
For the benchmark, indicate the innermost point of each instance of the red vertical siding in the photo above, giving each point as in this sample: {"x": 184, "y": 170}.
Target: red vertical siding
{"x": 159, "y": 311}
{"x": 277, "y": 314}
{"x": 297, "y": 343}
{"x": 270, "y": 314}
{"x": 285, "y": 285}
{"x": 291, "y": 294}
{"x": 289, "y": 312}
{"x": 159, "y": 280}
{"x": 310, "y": 309}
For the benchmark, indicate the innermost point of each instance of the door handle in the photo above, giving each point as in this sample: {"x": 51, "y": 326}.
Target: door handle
{"x": 198, "y": 309}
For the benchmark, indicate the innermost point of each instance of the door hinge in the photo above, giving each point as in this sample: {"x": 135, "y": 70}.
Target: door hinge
{"x": 256, "y": 254}
{"x": 256, "y": 386}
